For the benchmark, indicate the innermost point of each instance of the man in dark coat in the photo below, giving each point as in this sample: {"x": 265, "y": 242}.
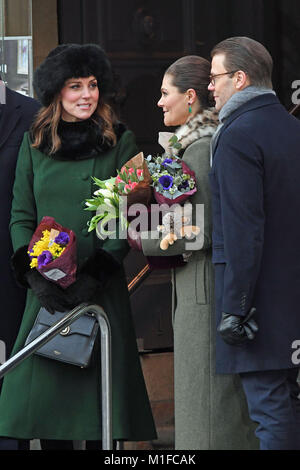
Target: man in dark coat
{"x": 255, "y": 182}
{"x": 16, "y": 115}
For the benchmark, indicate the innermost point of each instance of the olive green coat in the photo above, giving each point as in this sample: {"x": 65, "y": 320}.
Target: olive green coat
{"x": 43, "y": 398}
{"x": 210, "y": 410}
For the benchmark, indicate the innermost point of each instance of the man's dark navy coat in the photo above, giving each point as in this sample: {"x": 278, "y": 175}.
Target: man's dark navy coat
{"x": 15, "y": 118}
{"x": 255, "y": 181}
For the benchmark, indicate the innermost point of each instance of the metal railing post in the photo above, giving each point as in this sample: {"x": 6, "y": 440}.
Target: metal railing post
{"x": 106, "y": 374}
{"x": 106, "y": 378}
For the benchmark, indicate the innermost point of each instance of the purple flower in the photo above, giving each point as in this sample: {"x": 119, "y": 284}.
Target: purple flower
{"x": 44, "y": 259}
{"x": 166, "y": 181}
{"x": 166, "y": 162}
{"x": 62, "y": 239}
{"x": 183, "y": 185}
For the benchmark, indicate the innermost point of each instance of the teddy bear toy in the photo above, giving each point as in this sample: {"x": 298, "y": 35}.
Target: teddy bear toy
{"x": 175, "y": 225}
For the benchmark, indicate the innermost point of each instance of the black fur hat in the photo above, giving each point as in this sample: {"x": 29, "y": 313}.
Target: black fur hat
{"x": 71, "y": 61}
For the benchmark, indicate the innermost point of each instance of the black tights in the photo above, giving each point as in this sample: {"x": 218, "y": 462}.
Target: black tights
{"x": 52, "y": 444}
{"x": 7, "y": 443}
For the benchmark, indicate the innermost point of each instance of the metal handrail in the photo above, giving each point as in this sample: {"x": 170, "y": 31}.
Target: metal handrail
{"x": 105, "y": 344}
{"x": 106, "y": 373}
{"x": 139, "y": 279}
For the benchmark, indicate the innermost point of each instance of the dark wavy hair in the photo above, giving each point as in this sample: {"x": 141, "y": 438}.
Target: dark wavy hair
{"x": 192, "y": 71}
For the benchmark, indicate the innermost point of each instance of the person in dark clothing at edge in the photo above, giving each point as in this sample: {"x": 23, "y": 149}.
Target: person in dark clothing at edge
{"x": 16, "y": 115}
{"x": 255, "y": 180}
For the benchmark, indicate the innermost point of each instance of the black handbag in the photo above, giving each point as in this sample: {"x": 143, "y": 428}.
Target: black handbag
{"x": 73, "y": 345}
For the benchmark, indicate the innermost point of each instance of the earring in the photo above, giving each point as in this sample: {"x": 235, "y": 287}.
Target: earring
{"x": 190, "y": 107}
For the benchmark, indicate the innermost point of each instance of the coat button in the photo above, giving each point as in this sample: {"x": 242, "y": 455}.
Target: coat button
{"x": 85, "y": 176}
{"x": 85, "y": 232}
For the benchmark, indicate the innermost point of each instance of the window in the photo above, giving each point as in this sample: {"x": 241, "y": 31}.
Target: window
{"x": 16, "y": 45}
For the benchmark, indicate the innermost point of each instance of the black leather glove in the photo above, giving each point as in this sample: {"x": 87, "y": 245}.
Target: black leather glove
{"x": 235, "y": 330}
{"x": 50, "y": 295}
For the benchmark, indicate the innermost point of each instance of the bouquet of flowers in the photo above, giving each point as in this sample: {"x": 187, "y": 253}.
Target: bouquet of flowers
{"x": 132, "y": 182}
{"x": 172, "y": 180}
{"x": 52, "y": 251}
{"x": 106, "y": 203}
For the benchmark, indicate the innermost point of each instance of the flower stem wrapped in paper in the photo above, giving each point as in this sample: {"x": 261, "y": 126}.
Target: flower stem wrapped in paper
{"x": 134, "y": 181}
{"x": 52, "y": 251}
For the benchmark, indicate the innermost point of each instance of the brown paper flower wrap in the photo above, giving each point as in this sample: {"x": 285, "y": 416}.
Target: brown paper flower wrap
{"x": 134, "y": 181}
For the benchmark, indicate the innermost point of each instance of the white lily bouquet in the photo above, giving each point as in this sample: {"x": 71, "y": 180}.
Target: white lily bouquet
{"x": 107, "y": 203}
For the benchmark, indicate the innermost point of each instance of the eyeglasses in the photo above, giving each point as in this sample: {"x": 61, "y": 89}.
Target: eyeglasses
{"x": 212, "y": 78}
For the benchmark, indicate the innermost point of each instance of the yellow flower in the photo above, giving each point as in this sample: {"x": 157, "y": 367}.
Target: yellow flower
{"x": 46, "y": 234}
{"x": 34, "y": 263}
{"x": 55, "y": 249}
{"x": 42, "y": 245}
{"x": 39, "y": 247}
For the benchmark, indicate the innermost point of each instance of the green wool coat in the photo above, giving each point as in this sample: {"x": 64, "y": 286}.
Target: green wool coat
{"x": 210, "y": 410}
{"x": 43, "y": 398}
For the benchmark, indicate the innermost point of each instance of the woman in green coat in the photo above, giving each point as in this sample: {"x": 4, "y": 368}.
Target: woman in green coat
{"x": 75, "y": 136}
{"x": 210, "y": 410}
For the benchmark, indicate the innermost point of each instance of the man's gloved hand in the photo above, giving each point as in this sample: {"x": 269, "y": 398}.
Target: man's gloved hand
{"x": 50, "y": 296}
{"x": 235, "y": 330}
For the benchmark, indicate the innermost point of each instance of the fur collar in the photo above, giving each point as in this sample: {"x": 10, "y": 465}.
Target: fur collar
{"x": 202, "y": 125}
{"x": 80, "y": 140}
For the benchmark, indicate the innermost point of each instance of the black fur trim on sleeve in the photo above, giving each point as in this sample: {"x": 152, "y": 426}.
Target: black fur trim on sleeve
{"x": 20, "y": 263}
{"x": 101, "y": 265}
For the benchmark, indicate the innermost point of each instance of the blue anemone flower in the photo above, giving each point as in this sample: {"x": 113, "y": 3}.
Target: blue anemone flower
{"x": 166, "y": 181}
{"x": 167, "y": 162}
{"x": 62, "y": 239}
{"x": 44, "y": 258}
{"x": 183, "y": 185}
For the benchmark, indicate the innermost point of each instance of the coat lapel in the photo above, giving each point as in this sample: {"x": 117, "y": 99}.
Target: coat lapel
{"x": 11, "y": 113}
{"x": 258, "y": 102}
